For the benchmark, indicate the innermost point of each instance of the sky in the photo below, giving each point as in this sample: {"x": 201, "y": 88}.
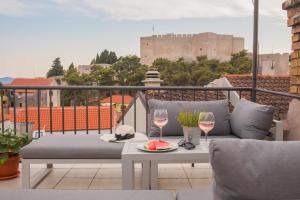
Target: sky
{"x": 34, "y": 32}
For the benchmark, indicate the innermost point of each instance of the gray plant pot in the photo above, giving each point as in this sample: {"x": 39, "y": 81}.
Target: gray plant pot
{"x": 192, "y": 134}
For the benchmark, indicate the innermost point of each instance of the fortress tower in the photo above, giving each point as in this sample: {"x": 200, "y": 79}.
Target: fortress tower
{"x": 172, "y": 46}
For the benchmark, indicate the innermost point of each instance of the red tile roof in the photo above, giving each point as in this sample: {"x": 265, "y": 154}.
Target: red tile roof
{"x": 118, "y": 99}
{"x": 6, "y": 117}
{"x": 68, "y": 117}
{"x": 275, "y": 83}
{"x": 31, "y": 82}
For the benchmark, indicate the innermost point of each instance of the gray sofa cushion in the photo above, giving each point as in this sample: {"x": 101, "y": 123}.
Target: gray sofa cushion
{"x": 173, "y": 128}
{"x": 203, "y": 193}
{"x": 251, "y": 120}
{"x": 84, "y": 194}
{"x": 70, "y": 146}
{"x": 254, "y": 169}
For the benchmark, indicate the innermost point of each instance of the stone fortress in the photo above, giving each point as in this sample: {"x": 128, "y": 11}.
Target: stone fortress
{"x": 189, "y": 46}
{"x": 214, "y": 46}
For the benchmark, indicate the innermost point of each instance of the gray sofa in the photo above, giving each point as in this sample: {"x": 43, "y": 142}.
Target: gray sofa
{"x": 243, "y": 170}
{"x": 247, "y": 121}
{"x": 252, "y": 170}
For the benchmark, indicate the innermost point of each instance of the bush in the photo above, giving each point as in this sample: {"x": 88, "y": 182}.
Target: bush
{"x": 10, "y": 144}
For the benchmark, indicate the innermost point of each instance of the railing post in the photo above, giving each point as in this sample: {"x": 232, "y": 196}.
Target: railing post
{"x": 255, "y": 50}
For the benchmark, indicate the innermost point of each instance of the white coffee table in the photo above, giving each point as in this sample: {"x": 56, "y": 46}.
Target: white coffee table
{"x": 150, "y": 161}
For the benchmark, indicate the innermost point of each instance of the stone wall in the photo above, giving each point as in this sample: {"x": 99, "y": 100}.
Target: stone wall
{"x": 274, "y": 64}
{"x": 189, "y": 46}
{"x": 293, "y": 14}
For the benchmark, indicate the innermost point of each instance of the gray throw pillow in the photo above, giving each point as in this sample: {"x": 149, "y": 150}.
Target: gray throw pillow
{"x": 173, "y": 128}
{"x": 255, "y": 169}
{"x": 251, "y": 120}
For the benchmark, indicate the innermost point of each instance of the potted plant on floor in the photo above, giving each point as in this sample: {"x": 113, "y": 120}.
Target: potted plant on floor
{"x": 10, "y": 145}
{"x": 189, "y": 123}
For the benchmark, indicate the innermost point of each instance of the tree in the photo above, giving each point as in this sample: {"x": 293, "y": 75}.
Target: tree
{"x": 56, "y": 69}
{"x": 102, "y": 76}
{"x": 201, "y": 71}
{"x": 106, "y": 57}
{"x": 72, "y": 67}
{"x": 129, "y": 71}
{"x": 97, "y": 60}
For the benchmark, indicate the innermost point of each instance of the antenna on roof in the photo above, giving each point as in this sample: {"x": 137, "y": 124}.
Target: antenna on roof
{"x": 272, "y": 66}
{"x": 153, "y": 29}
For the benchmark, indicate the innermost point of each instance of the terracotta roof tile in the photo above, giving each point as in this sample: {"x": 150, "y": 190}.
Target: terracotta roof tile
{"x": 275, "y": 83}
{"x": 31, "y": 82}
{"x": 118, "y": 99}
{"x": 68, "y": 117}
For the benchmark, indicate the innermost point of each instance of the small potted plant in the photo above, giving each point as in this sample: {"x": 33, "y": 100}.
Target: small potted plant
{"x": 189, "y": 123}
{"x": 10, "y": 145}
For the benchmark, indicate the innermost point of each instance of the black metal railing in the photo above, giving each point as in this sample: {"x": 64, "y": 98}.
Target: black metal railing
{"x": 92, "y": 96}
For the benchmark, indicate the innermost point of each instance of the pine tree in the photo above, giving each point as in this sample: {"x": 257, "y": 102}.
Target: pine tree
{"x": 97, "y": 59}
{"x": 72, "y": 67}
{"x": 56, "y": 69}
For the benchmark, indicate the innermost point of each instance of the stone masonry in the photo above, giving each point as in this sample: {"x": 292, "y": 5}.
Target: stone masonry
{"x": 293, "y": 14}
{"x": 189, "y": 46}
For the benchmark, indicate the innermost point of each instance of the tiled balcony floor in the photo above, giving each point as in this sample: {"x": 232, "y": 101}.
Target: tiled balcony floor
{"x": 108, "y": 177}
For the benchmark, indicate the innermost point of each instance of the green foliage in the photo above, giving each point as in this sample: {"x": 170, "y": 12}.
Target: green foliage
{"x": 10, "y": 144}
{"x": 202, "y": 71}
{"x": 188, "y": 119}
{"x": 72, "y": 67}
{"x": 107, "y": 57}
{"x": 56, "y": 69}
{"x": 102, "y": 75}
{"x": 129, "y": 71}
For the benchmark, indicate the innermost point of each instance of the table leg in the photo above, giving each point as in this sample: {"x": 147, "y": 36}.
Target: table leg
{"x": 154, "y": 175}
{"x": 128, "y": 174}
{"x": 146, "y": 175}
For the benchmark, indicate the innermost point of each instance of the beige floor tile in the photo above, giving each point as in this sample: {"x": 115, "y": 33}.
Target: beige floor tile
{"x": 112, "y": 166}
{"x": 198, "y": 173}
{"x": 81, "y": 173}
{"x": 11, "y": 184}
{"x": 171, "y": 173}
{"x": 138, "y": 184}
{"x": 74, "y": 183}
{"x": 106, "y": 184}
{"x": 197, "y": 165}
{"x": 87, "y": 166}
{"x": 58, "y": 173}
{"x": 109, "y": 173}
{"x": 68, "y": 166}
{"x": 173, "y": 184}
{"x": 200, "y": 183}
{"x": 170, "y": 166}
{"x": 49, "y": 183}
{"x": 38, "y": 166}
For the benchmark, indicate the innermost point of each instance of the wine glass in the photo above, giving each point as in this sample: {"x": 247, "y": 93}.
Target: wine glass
{"x": 160, "y": 119}
{"x": 206, "y": 122}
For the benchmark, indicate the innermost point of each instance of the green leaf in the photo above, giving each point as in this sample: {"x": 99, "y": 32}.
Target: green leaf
{"x": 3, "y": 158}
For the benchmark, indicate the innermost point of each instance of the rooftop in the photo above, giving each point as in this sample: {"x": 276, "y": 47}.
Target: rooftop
{"x": 118, "y": 99}
{"x": 274, "y": 83}
{"x": 31, "y": 82}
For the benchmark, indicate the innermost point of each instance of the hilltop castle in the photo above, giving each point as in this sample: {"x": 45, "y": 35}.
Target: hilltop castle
{"x": 189, "y": 46}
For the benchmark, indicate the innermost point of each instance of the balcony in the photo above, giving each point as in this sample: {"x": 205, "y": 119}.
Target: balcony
{"x": 90, "y": 116}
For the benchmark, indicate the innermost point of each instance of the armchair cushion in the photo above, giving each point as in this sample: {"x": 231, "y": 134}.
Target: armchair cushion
{"x": 173, "y": 128}
{"x": 251, "y": 120}
{"x": 255, "y": 169}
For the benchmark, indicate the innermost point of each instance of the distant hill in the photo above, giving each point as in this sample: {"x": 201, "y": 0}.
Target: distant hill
{"x": 6, "y": 80}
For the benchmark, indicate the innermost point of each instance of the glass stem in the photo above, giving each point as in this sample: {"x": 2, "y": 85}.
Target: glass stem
{"x": 160, "y": 133}
{"x": 206, "y": 137}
